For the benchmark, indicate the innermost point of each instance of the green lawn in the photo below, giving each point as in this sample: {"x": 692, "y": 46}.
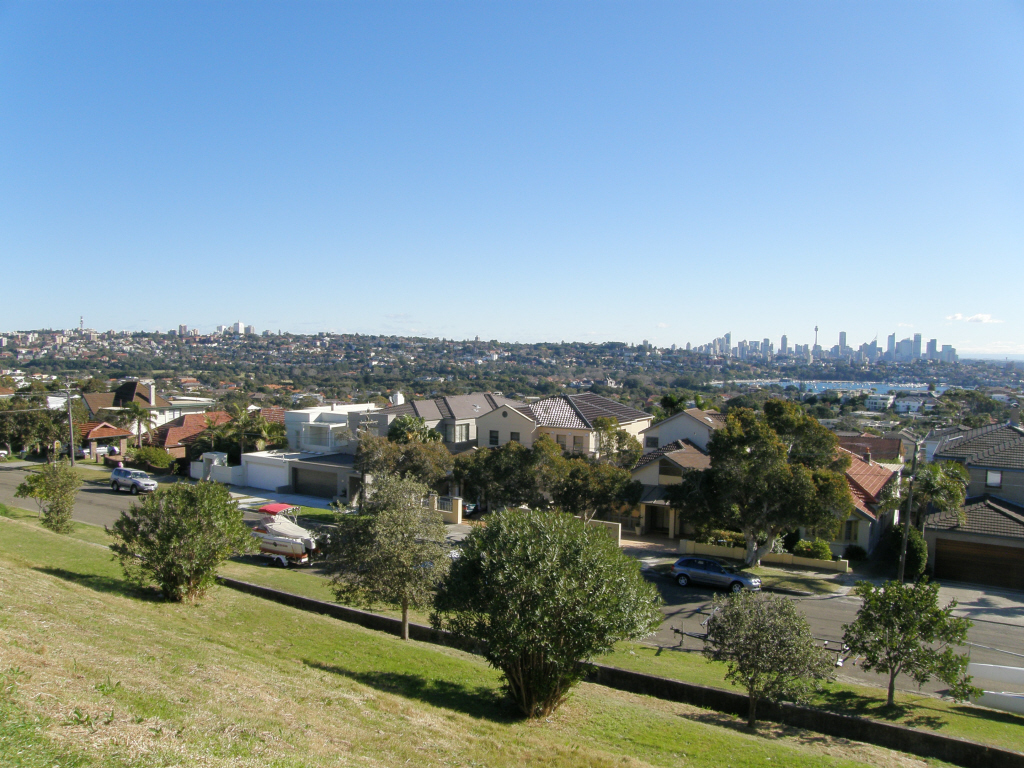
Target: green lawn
{"x": 109, "y": 675}
{"x": 1001, "y": 729}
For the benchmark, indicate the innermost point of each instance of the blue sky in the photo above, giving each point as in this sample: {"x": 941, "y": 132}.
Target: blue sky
{"x": 519, "y": 171}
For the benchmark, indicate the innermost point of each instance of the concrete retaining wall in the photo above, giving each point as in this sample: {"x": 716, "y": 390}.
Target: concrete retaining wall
{"x": 916, "y": 742}
{"x": 688, "y": 547}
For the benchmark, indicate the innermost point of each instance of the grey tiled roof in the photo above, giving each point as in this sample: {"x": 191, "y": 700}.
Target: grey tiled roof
{"x": 986, "y": 516}
{"x": 998, "y": 445}
{"x": 682, "y": 452}
{"x": 452, "y": 407}
{"x": 579, "y": 411}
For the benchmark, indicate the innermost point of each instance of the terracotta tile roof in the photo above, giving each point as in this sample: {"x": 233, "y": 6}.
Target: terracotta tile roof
{"x": 273, "y": 413}
{"x": 182, "y": 429}
{"x": 866, "y": 481}
{"x": 100, "y": 430}
{"x": 683, "y": 453}
{"x": 881, "y": 448}
{"x": 985, "y": 516}
{"x": 4, "y": 391}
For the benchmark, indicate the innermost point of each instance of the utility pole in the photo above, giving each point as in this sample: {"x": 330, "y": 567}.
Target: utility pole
{"x": 906, "y": 522}
{"x": 71, "y": 423}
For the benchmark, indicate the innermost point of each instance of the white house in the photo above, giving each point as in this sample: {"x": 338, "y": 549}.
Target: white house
{"x": 879, "y": 402}
{"x": 693, "y": 425}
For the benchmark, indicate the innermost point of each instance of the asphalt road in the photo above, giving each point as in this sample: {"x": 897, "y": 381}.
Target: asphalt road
{"x": 687, "y": 607}
{"x": 97, "y": 504}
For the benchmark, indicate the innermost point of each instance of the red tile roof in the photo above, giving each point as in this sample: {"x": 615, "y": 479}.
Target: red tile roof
{"x": 100, "y": 430}
{"x": 177, "y": 432}
{"x": 273, "y": 413}
{"x": 866, "y": 481}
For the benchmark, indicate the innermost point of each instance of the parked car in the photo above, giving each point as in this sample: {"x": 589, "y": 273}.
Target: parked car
{"x": 704, "y": 570}
{"x": 135, "y": 480}
{"x": 105, "y": 450}
{"x": 80, "y": 453}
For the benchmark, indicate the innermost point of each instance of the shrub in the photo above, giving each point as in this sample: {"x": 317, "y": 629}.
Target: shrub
{"x": 917, "y": 551}
{"x": 152, "y": 455}
{"x": 54, "y": 488}
{"x": 768, "y": 647}
{"x": 178, "y": 537}
{"x": 855, "y": 552}
{"x": 546, "y": 594}
{"x": 816, "y": 550}
{"x": 731, "y": 538}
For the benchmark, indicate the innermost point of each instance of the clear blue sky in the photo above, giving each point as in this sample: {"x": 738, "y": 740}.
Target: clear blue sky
{"x": 520, "y": 171}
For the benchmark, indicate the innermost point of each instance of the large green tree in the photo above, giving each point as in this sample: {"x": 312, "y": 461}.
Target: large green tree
{"x": 547, "y": 595}
{"x": 900, "y": 629}
{"x": 54, "y": 488}
{"x": 395, "y": 553}
{"x": 616, "y": 445}
{"x": 409, "y": 428}
{"x": 178, "y": 537}
{"x": 587, "y": 488}
{"x": 770, "y": 472}
{"x": 768, "y": 648}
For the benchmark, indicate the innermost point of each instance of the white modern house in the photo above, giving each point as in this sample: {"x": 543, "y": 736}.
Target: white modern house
{"x": 320, "y": 458}
{"x": 879, "y": 402}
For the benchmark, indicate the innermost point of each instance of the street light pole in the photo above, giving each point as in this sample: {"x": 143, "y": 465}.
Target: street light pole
{"x": 71, "y": 423}
{"x": 906, "y": 522}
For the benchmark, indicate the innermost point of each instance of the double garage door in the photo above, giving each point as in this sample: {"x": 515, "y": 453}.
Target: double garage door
{"x": 310, "y": 482}
{"x": 979, "y": 563}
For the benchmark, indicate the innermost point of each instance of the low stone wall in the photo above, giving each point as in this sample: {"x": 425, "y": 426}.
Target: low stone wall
{"x": 688, "y": 547}
{"x": 910, "y": 740}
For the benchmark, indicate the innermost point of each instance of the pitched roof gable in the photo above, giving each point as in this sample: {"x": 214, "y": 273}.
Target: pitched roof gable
{"x": 999, "y": 446}
{"x": 983, "y": 515}
{"x": 682, "y": 453}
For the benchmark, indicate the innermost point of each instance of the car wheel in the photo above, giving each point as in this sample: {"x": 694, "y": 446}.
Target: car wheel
{"x": 114, "y": 487}
{"x": 736, "y": 587}
{"x": 135, "y": 490}
{"x": 683, "y": 580}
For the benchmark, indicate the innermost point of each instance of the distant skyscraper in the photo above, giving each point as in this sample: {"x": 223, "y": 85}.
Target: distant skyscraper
{"x": 182, "y": 330}
{"x": 250, "y": 330}
{"x": 917, "y": 346}
{"x": 784, "y": 347}
{"x": 238, "y": 327}
{"x": 890, "y": 350}
{"x": 842, "y": 341}
{"x": 728, "y": 344}
{"x": 933, "y": 350}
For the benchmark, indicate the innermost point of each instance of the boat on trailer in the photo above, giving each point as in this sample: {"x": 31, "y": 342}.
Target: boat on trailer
{"x": 281, "y": 538}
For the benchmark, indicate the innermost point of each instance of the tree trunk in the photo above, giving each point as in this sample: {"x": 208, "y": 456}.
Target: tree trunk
{"x": 892, "y": 688}
{"x": 754, "y": 552}
{"x": 752, "y": 712}
{"x": 405, "y": 618}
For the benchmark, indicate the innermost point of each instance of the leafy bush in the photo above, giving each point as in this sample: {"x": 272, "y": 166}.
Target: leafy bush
{"x": 54, "y": 488}
{"x": 151, "y": 454}
{"x": 816, "y": 550}
{"x": 731, "y": 538}
{"x": 178, "y": 537}
{"x": 855, "y": 552}
{"x": 786, "y": 667}
{"x": 917, "y": 551}
{"x": 547, "y": 594}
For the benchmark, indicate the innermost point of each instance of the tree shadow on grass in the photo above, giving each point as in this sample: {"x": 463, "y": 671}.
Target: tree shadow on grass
{"x": 106, "y": 584}
{"x": 900, "y": 713}
{"x": 481, "y": 701}
{"x": 992, "y": 715}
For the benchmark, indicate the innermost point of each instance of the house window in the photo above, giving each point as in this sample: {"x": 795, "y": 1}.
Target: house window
{"x": 458, "y": 434}
{"x": 993, "y": 479}
{"x": 577, "y": 443}
{"x": 560, "y": 439}
{"x": 494, "y": 437}
{"x": 852, "y": 532}
{"x": 514, "y": 437}
{"x": 651, "y": 442}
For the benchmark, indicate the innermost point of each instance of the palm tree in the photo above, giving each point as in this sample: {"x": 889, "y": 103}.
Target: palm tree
{"x": 141, "y": 418}
{"x": 215, "y": 438}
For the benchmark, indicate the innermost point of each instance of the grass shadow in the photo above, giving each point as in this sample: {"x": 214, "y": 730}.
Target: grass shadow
{"x": 992, "y": 715}
{"x": 105, "y": 584}
{"x": 479, "y": 701}
{"x": 901, "y": 713}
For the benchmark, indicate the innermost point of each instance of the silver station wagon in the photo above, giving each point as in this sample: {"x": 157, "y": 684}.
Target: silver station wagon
{"x": 711, "y": 573}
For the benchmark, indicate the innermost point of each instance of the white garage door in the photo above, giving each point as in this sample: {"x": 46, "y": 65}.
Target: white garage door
{"x": 269, "y": 477}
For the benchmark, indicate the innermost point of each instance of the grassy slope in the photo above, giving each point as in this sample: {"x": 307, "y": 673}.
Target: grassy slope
{"x": 109, "y": 676}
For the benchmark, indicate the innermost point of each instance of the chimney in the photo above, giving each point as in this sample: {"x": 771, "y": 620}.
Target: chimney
{"x": 1015, "y": 416}
{"x": 867, "y": 456}
{"x": 152, "y": 394}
